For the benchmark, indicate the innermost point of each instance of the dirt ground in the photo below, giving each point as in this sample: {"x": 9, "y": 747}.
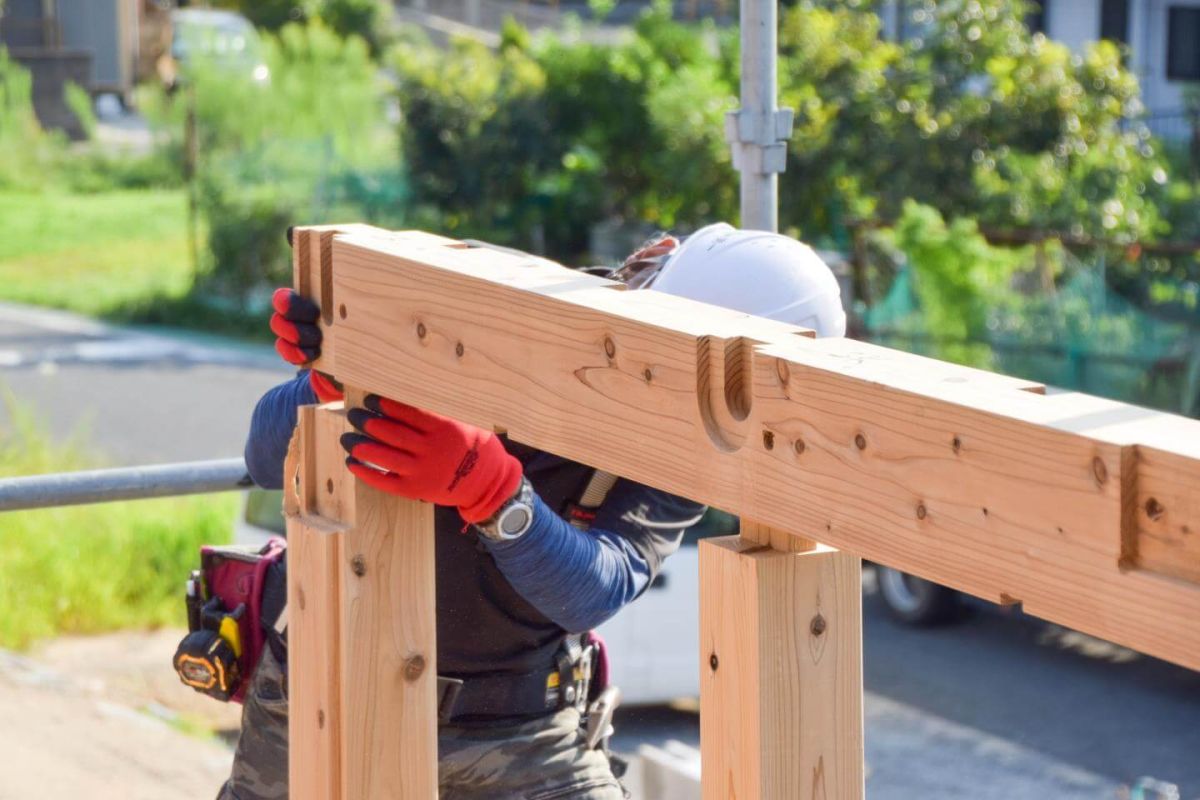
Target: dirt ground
{"x": 105, "y": 718}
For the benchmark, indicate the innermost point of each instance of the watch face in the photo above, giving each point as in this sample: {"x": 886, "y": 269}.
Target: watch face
{"x": 515, "y": 519}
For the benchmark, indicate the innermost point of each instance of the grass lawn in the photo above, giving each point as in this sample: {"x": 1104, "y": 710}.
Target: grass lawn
{"x": 89, "y": 569}
{"x": 96, "y": 254}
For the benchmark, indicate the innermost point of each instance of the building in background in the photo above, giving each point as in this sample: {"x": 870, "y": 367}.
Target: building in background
{"x": 95, "y": 44}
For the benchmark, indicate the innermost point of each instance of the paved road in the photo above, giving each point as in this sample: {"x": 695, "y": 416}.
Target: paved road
{"x": 1003, "y": 706}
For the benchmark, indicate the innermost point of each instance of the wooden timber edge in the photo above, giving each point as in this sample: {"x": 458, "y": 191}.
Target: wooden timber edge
{"x": 1084, "y": 510}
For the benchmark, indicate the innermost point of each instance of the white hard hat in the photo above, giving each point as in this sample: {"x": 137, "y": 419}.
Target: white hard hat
{"x": 756, "y": 272}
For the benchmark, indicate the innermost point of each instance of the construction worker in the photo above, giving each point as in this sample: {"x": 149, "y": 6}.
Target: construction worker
{"x": 546, "y": 556}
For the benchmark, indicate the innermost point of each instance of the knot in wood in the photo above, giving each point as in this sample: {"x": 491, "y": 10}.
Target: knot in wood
{"x": 921, "y": 512}
{"x": 956, "y": 444}
{"x": 769, "y": 440}
{"x": 342, "y": 311}
{"x": 860, "y": 441}
{"x": 713, "y": 663}
{"x": 783, "y": 371}
{"x": 799, "y": 447}
{"x": 358, "y": 565}
{"x": 414, "y": 667}
{"x": 818, "y": 625}
{"x": 1154, "y": 509}
{"x": 421, "y": 332}
{"x": 459, "y": 350}
{"x": 1099, "y": 470}
{"x": 610, "y": 347}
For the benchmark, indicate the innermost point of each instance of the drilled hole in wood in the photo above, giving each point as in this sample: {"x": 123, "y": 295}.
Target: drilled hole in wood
{"x": 921, "y": 512}
{"x": 713, "y": 662}
{"x": 421, "y": 330}
{"x": 798, "y": 446}
{"x": 648, "y": 375}
{"x": 956, "y": 444}
{"x": 342, "y": 310}
{"x": 860, "y": 442}
{"x": 459, "y": 349}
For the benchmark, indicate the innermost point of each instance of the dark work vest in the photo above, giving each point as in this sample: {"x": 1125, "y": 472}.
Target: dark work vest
{"x": 483, "y": 625}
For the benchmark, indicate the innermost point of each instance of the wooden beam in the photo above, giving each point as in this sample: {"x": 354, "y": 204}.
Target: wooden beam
{"x": 363, "y": 638}
{"x": 967, "y": 478}
{"x": 781, "y": 714}
{"x": 315, "y": 556}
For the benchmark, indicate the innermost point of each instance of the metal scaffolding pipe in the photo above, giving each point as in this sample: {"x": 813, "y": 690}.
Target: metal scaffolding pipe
{"x": 126, "y": 483}
{"x": 759, "y": 130}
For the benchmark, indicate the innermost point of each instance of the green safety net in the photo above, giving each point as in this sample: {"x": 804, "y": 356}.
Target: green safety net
{"x": 1081, "y": 336}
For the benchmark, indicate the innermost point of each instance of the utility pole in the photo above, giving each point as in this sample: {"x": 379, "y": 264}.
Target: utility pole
{"x": 759, "y": 130}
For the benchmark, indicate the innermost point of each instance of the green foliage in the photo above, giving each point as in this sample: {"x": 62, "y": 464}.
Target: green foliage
{"x": 535, "y": 143}
{"x": 80, "y": 103}
{"x": 975, "y": 117}
{"x": 90, "y": 569}
{"x": 277, "y": 154}
{"x": 26, "y": 152}
{"x": 958, "y": 279}
{"x": 371, "y": 20}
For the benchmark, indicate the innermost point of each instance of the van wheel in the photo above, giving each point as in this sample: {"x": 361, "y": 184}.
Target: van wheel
{"x": 916, "y": 601}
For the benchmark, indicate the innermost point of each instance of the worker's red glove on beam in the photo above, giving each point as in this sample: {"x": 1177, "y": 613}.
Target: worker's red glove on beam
{"x": 299, "y": 339}
{"x": 424, "y": 456}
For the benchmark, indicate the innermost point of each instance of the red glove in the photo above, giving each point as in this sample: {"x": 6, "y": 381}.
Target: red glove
{"x": 424, "y": 456}
{"x": 299, "y": 339}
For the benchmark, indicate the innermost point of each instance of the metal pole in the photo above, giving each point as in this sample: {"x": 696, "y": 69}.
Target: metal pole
{"x": 759, "y": 130}
{"x": 128, "y": 483}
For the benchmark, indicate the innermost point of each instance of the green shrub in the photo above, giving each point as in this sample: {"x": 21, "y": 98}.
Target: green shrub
{"x": 89, "y": 569}
{"x": 277, "y": 155}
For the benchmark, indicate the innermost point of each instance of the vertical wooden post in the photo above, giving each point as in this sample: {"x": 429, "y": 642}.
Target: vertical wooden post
{"x": 362, "y": 645}
{"x": 781, "y": 671}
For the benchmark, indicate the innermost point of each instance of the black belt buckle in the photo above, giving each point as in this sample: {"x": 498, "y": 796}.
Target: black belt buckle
{"x": 448, "y": 689}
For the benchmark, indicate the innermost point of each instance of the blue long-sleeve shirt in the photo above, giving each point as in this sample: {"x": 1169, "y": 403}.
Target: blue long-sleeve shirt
{"x": 577, "y": 579}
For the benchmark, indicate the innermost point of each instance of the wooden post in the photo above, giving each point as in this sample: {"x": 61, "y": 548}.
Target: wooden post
{"x": 781, "y": 672}
{"x": 362, "y": 647}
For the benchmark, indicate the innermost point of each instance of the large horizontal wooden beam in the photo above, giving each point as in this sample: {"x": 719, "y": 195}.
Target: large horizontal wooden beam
{"x": 1086, "y": 511}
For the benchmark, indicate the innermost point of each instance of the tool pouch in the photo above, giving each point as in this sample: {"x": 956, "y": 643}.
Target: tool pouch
{"x": 235, "y": 585}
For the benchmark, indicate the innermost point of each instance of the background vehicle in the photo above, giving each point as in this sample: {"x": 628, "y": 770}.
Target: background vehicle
{"x": 222, "y": 38}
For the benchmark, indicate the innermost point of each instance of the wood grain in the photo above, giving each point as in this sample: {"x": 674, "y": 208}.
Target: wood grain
{"x": 362, "y": 638}
{"x": 781, "y": 713}
{"x": 315, "y": 555}
{"x": 960, "y": 476}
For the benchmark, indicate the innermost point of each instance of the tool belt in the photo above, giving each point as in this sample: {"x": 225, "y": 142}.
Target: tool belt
{"x": 578, "y": 678}
{"x": 235, "y": 608}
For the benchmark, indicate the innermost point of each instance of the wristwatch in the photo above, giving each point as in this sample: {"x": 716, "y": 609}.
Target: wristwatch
{"x": 512, "y": 519}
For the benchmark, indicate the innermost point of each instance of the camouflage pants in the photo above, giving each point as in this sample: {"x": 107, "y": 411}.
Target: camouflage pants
{"x": 541, "y": 760}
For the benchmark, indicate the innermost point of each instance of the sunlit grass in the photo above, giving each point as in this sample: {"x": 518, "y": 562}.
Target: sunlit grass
{"x": 89, "y": 569}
